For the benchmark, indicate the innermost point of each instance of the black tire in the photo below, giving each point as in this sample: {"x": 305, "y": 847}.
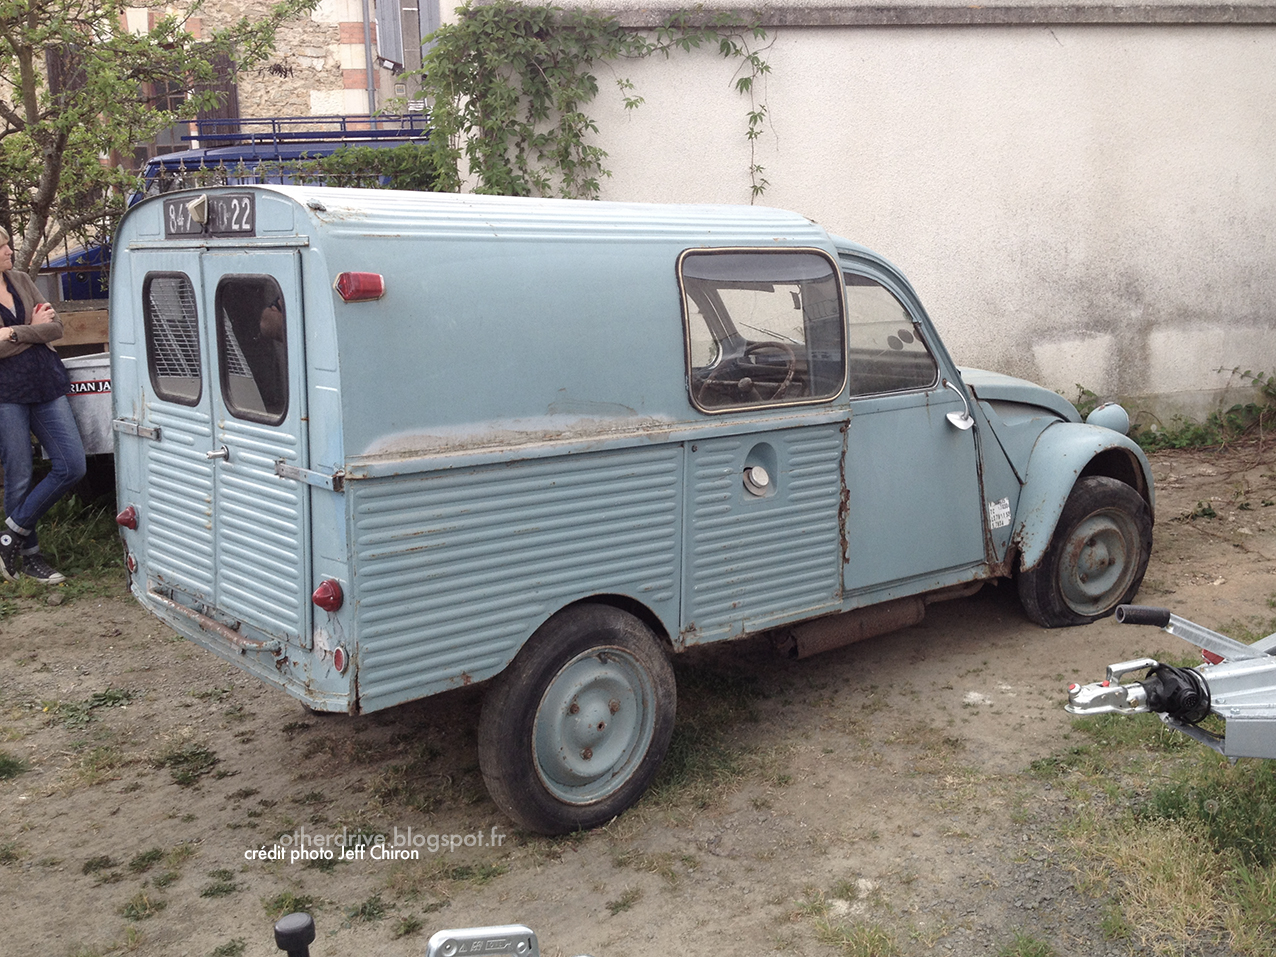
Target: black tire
{"x": 1096, "y": 558}
{"x": 573, "y": 731}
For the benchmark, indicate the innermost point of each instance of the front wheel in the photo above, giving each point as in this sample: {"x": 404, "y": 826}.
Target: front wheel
{"x": 1096, "y": 559}
{"x": 573, "y": 731}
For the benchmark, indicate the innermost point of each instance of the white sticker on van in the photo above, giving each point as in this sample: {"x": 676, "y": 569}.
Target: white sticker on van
{"x": 999, "y": 513}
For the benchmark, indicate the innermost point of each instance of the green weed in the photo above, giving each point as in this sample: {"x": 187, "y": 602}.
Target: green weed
{"x": 187, "y": 763}
{"x": 223, "y": 884}
{"x": 1025, "y": 945}
{"x": 11, "y": 767}
{"x": 144, "y": 861}
{"x": 141, "y": 906}
{"x": 624, "y": 902}
{"x": 288, "y": 903}
{"x": 408, "y": 926}
{"x": 373, "y": 909}
{"x": 859, "y": 939}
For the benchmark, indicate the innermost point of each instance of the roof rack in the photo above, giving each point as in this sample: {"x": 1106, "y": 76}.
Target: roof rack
{"x": 301, "y": 129}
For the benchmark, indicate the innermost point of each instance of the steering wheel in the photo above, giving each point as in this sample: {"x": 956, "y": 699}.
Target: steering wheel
{"x": 747, "y": 383}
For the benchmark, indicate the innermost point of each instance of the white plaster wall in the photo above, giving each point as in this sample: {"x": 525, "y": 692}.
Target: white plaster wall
{"x": 1074, "y": 204}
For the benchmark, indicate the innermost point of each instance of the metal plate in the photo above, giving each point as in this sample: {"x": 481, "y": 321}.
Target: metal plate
{"x": 228, "y": 214}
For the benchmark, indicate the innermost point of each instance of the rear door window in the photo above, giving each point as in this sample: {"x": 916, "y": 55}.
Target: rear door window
{"x": 252, "y": 349}
{"x": 171, "y": 317}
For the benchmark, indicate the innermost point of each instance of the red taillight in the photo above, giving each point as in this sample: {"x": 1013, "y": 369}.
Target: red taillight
{"x": 328, "y": 596}
{"x": 339, "y": 660}
{"x": 127, "y": 518}
{"x": 131, "y": 562}
{"x": 360, "y": 286}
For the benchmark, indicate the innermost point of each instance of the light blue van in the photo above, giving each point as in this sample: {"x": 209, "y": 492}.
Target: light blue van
{"x": 372, "y": 446}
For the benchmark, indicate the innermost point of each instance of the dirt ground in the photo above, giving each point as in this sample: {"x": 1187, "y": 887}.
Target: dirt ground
{"x": 885, "y": 784}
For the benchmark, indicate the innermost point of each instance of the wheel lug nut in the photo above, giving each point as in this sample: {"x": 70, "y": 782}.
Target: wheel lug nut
{"x": 587, "y": 753}
{"x": 574, "y": 708}
{"x": 613, "y": 706}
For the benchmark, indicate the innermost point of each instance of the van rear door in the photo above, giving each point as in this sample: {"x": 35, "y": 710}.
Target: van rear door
{"x": 227, "y": 515}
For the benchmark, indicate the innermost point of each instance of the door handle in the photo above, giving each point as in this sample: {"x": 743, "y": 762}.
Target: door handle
{"x": 222, "y": 453}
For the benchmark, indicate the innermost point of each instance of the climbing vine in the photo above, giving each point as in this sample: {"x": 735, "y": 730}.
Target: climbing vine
{"x": 509, "y": 85}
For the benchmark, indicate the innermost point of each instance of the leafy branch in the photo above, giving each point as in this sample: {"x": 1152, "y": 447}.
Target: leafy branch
{"x": 510, "y": 82}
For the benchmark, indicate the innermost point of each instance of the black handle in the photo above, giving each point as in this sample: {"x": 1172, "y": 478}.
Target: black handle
{"x": 294, "y": 934}
{"x": 1142, "y": 615}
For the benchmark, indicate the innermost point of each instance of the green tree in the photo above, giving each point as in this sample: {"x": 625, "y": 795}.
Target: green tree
{"x": 74, "y": 86}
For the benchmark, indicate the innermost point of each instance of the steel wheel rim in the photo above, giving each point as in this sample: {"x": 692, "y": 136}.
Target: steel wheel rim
{"x": 594, "y": 725}
{"x": 1099, "y": 562}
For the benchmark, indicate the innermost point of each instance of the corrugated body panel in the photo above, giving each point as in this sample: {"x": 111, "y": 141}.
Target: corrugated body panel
{"x": 454, "y": 570}
{"x": 753, "y": 562}
{"x": 179, "y": 499}
{"x": 262, "y": 546}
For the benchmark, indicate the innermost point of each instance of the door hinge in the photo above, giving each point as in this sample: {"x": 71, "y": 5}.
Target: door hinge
{"x": 334, "y": 483}
{"x": 129, "y": 427}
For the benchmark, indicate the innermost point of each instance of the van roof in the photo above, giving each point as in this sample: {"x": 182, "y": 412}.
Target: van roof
{"x": 372, "y": 211}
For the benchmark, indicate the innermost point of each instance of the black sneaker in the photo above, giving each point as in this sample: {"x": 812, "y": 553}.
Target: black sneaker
{"x": 10, "y": 542}
{"x": 35, "y": 566}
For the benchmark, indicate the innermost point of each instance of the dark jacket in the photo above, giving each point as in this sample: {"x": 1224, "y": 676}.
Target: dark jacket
{"x": 29, "y": 335}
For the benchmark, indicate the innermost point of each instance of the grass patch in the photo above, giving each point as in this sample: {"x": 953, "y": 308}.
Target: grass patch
{"x": 857, "y": 939}
{"x": 1182, "y": 841}
{"x": 232, "y": 948}
{"x": 1025, "y": 945}
{"x": 624, "y": 902}
{"x": 187, "y": 763}
{"x": 99, "y": 765}
{"x": 288, "y": 903}
{"x": 82, "y": 541}
{"x": 223, "y": 884}
{"x": 11, "y": 767}
{"x": 408, "y": 926}
{"x": 78, "y": 714}
{"x": 702, "y": 762}
{"x": 141, "y": 906}
{"x": 144, "y": 861}
{"x": 371, "y": 910}
{"x": 1218, "y": 429}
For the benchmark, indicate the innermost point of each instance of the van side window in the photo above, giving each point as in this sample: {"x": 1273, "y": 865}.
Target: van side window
{"x": 172, "y": 337}
{"x": 251, "y": 348}
{"x": 886, "y": 350}
{"x": 763, "y": 328}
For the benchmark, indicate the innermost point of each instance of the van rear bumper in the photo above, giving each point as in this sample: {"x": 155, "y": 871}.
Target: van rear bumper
{"x": 273, "y": 661}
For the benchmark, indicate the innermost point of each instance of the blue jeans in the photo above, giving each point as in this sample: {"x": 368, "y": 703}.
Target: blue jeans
{"x": 54, "y": 425}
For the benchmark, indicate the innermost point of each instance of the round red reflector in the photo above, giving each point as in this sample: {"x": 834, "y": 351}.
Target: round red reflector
{"x": 339, "y": 660}
{"x": 127, "y": 518}
{"x": 328, "y": 596}
{"x": 360, "y": 286}
{"x": 131, "y": 562}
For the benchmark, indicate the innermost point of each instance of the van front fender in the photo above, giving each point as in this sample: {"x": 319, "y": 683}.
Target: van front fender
{"x": 1062, "y": 454}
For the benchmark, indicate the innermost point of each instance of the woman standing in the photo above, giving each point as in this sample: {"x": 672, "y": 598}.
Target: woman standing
{"x": 33, "y": 388}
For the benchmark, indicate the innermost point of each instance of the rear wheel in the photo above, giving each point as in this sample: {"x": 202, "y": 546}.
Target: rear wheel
{"x": 1096, "y": 559}
{"x": 573, "y": 731}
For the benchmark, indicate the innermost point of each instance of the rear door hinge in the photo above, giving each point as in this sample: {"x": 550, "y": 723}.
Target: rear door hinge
{"x": 335, "y": 482}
